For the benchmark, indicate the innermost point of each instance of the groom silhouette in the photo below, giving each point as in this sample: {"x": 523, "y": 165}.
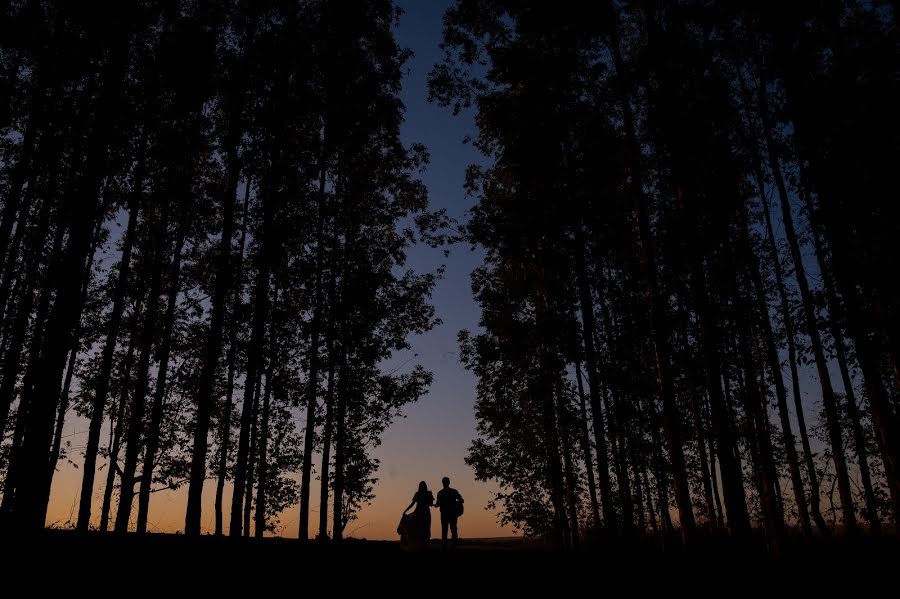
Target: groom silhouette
{"x": 450, "y": 502}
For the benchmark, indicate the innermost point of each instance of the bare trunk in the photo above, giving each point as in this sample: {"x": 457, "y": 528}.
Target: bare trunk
{"x": 159, "y": 394}
{"x": 83, "y": 207}
{"x": 251, "y": 462}
{"x": 771, "y": 352}
{"x": 117, "y": 426}
{"x": 837, "y": 336}
{"x": 568, "y": 467}
{"x": 225, "y": 427}
{"x": 213, "y": 349}
{"x": 828, "y": 401}
{"x": 98, "y": 406}
{"x": 337, "y": 521}
{"x": 263, "y": 456}
{"x": 589, "y": 325}
{"x": 312, "y": 390}
{"x": 586, "y": 448}
{"x": 329, "y": 414}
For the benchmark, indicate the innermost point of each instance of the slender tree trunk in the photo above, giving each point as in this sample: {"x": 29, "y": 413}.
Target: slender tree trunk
{"x": 83, "y": 207}
{"x": 759, "y": 429}
{"x": 16, "y": 471}
{"x": 589, "y": 325}
{"x": 720, "y": 524}
{"x": 117, "y": 426}
{"x": 9, "y": 269}
{"x": 213, "y": 349}
{"x": 22, "y": 171}
{"x": 254, "y": 445}
{"x": 312, "y": 391}
{"x": 828, "y": 400}
{"x": 329, "y": 413}
{"x": 655, "y": 302}
{"x": 659, "y": 472}
{"x": 729, "y": 462}
{"x": 12, "y": 359}
{"x": 638, "y": 492}
{"x": 884, "y": 417}
{"x": 159, "y": 393}
{"x": 837, "y": 336}
{"x": 225, "y": 430}
{"x": 650, "y": 509}
{"x": 260, "y": 524}
{"x": 340, "y": 459}
{"x": 697, "y": 421}
{"x": 137, "y": 420}
{"x": 586, "y": 448}
{"x": 263, "y": 449}
{"x": 64, "y": 400}
{"x": 789, "y": 331}
{"x": 98, "y": 406}
{"x": 617, "y": 421}
{"x": 771, "y": 352}
{"x": 562, "y": 409}
{"x": 254, "y": 356}
{"x": 704, "y": 462}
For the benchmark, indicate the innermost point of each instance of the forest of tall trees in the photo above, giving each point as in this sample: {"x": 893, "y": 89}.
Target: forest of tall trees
{"x": 206, "y": 208}
{"x": 689, "y": 213}
{"x": 690, "y": 302}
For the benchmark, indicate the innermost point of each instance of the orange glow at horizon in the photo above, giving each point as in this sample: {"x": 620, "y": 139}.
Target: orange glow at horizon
{"x": 401, "y": 470}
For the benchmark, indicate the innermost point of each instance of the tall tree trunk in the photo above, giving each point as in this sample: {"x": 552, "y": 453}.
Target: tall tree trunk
{"x": 137, "y": 419}
{"x": 254, "y": 357}
{"x": 656, "y": 308}
{"x": 17, "y": 467}
{"x": 638, "y": 491}
{"x": 829, "y": 405}
{"x": 729, "y": 461}
{"x": 83, "y": 208}
{"x": 618, "y": 422}
{"x": 340, "y": 455}
{"x": 118, "y": 425}
{"x": 562, "y": 409}
{"x": 254, "y": 444}
{"x": 586, "y": 448}
{"x": 771, "y": 352}
{"x": 98, "y": 405}
{"x": 659, "y": 471}
{"x": 312, "y": 391}
{"x": 697, "y": 421}
{"x": 264, "y": 432}
{"x": 650, "y": 509}
{"x": 12, "y": 359}
{"x": 263, "y": 461}
{"x": 159, "y": 394}
{"x": 64, "y": 399}
{"x": 212, "y": 352}
{"x": 9, "y": 268}
{"x": 789, "y": 331}
{"x": 329, "y": 413}
{"x": 759, "y": 428}
{"x": 589, "y": 324}
{"x": 720, "y": 524}
{"x": 837, "y": 336}
{"x": 225, "y": 428}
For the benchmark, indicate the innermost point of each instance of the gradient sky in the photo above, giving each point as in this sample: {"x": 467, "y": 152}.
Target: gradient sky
{"x": 431, "y": 441}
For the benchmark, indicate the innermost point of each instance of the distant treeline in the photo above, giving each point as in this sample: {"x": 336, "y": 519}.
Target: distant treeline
{"x": 205, "y": 213}
{"x": 690, "y": 297}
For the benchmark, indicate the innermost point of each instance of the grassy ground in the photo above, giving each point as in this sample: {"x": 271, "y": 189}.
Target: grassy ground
{"x": 173, "y": 563}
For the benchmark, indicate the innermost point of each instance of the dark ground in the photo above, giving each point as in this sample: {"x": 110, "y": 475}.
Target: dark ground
{"x": 169, "y": 565}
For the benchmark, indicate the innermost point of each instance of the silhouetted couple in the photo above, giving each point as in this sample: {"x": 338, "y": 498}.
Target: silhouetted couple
{"x": 415, "y": 529}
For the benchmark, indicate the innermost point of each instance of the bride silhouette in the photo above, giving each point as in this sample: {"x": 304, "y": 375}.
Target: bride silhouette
{"x": 415, "y": 529}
